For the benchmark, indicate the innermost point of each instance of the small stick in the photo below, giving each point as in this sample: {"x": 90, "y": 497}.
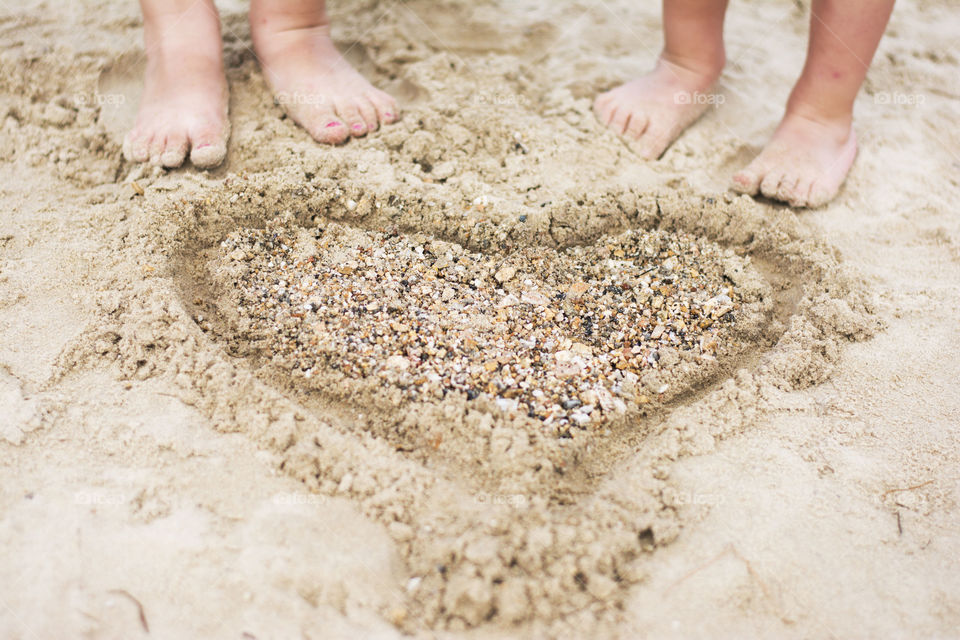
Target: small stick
{"x": 143, "y": 617}
{"x": 728, "y": 550}
{"x": 919, "y": 486}
{"x": 696, "y": 570}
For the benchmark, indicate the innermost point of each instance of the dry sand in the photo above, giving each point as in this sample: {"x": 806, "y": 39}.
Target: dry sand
{"x": 163, "y": 476}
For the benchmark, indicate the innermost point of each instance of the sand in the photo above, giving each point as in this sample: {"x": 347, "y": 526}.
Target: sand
{"x": 165, "y": 475}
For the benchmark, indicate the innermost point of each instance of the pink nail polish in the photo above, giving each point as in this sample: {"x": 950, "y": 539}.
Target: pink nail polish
{"x": 358, "y": 127}
{"x": 203, "y": 146}
{"x": 333, "y": 124}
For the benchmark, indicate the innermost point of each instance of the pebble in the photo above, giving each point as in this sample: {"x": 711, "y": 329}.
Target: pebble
{"x": 565, "y": 345}
{"x": 505, "y": 274}
{"x": 535, "y": 297}
{"x": 579, "y": 419}
{"x": 509, "y": 300}
{"x": 397, "y": 362}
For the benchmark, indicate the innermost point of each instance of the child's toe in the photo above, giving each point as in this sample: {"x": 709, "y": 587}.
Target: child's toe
{"x": 653, "y": 142}
{"x": 326, "y": 127}
{"x": 208, "y": 140}
{"x": 369, "y": 114}
{"x": 608, "y": 115}
{"x": 745, "y": 181}
{"x": 348, "y": 111}
{"x": 208, "y": 151}
{"x": 175, "y": 151}
{"x": 787, "y": 187}
{"x": 618, "y": 123}
{"x": 157, "y": 146}
{"x": 771, "y": 183}
{"x": 820, "y": 194}
{"x": 137, "y": 146}
{"x": 602, "y": 104}
{"x": 385, "y": 106}
{"x": 637, "y": 125}
{"x": 748, "y": 180}
{"x": 800, "y": 194}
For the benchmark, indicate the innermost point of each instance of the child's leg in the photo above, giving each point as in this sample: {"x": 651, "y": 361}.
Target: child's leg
{"x": 312, "y": 81}
{"x": 184, "y": 103}
{"x": 654, "y": 109}
{"x": 812, "y": 150}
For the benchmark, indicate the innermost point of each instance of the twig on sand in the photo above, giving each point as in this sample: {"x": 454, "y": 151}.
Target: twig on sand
{"x": 728, "y": 550}
{"x": 919, "y": 486}
{"x": 143, "y": 617}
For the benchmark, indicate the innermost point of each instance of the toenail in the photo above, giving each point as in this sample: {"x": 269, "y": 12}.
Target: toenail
{"x": 333, "y": 124}
{"x": 357, "y": 127}
{"x": 204, "y": 145}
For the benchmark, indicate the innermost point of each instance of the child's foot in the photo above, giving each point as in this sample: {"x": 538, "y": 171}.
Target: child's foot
{"x": 653, "y": 110}
{"x": 184, "y": 105}
{"x": 313, "y": 83}
{"x": 804, "y": 164}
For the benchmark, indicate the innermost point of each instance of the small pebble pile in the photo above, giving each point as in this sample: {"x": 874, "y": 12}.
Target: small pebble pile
{"x": 561, "y": 336}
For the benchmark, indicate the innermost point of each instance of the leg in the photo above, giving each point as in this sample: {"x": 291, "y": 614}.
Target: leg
{"x": 312, "y": 81}
{"x": 654, "y": 109}
{"x": 184, "y": 104}
{"x": 812, "y": 150}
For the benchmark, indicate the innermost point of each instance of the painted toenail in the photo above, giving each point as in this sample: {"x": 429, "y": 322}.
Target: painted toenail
{"x": 204, "y": 145}
{"x": 333, "y": 124}
{"x": 357, "y": 127}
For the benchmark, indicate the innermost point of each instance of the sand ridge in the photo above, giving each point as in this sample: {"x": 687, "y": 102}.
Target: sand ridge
{"x": 479, "y": 552}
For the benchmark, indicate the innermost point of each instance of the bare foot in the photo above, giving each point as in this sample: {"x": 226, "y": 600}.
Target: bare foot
{"x": 313, "y": 83}
{"x": 184, "y": 105}
{"x": 654, "y": 109}
{"x": 804, "y": 164}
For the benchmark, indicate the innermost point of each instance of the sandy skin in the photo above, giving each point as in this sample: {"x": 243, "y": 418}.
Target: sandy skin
{"x": 810, "y": 154}
{"x": 184, "y": 110}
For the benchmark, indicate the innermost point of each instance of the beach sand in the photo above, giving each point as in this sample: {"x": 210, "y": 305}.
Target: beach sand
{"x": 171, "y": 470}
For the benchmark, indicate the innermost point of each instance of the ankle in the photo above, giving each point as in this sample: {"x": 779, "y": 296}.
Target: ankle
{"x": 835, "y": 122}
{"x": 700, "y": 74}
{"x": 275, "y": 17}
{"x": 173, "y": 46}
{"x": 826, "y": 105}
{"x": 170, "y": 57}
